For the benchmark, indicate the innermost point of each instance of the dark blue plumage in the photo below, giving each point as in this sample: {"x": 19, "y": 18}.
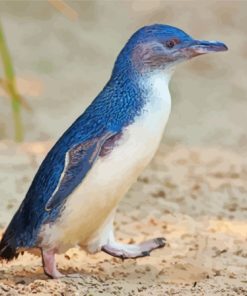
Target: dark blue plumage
{"x": 113, "y": 109}
{"x": 102, "y": 116}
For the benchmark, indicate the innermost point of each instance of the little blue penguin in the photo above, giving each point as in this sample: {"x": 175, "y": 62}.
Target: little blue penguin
{"x": 73, "y": 197}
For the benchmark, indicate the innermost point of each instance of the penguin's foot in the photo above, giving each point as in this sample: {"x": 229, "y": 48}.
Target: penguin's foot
{"x": 49, "y": 264}
{"x": 50, "y": 268}
{"x": 127, "y": 251}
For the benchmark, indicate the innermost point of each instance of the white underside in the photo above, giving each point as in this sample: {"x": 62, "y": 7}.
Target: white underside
{"x": 88, "y": 215}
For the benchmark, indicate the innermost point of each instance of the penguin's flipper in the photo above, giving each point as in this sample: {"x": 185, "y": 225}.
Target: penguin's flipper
{"x": 78, "y": 161}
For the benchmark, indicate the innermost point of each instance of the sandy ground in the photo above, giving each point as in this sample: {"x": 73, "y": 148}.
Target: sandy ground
{"x": 194, "y": 197}
{"x": 194, "y": 192}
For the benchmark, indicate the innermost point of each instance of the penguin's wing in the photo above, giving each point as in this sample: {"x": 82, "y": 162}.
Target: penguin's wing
{"x": 78, "y": 161}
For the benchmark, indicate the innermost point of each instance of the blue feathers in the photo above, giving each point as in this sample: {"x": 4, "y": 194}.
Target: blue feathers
{"x": 116, "y": 107}
{"x": 113, "y": 109}
{"x": 154, "y": 33}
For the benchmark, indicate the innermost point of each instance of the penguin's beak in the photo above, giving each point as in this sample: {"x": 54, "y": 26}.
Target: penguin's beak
{"x": 195, "y": 48}
{"x": 199, "y": 47}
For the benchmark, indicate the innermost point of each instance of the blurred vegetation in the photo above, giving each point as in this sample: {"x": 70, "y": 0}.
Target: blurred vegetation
{"x": 8, "y": 82}
{"x": 9, "y": 85}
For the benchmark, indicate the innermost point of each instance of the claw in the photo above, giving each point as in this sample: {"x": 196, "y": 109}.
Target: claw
{"x": 160, "y": 241}
{"x": 145, "y": 253}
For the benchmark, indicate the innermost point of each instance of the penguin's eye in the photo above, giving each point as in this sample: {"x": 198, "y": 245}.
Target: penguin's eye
{"x": 171, "y": 43}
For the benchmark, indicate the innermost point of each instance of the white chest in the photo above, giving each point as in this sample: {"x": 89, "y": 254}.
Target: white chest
{"x": 158, "y": 106}
{"x": 135, "y": 149}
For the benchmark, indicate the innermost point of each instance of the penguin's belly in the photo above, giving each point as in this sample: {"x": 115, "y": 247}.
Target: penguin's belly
{"x": 101, "y": 191}
{"x": 87, "y": 209}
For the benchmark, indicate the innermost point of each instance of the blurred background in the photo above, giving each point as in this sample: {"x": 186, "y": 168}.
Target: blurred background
{"x": 57, "y": 55}
{"x": 63, "y": 57}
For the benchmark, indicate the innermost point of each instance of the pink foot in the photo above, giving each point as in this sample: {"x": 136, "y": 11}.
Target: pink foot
{"x": 126, "y": 251}
{"x": 49, "y": 264}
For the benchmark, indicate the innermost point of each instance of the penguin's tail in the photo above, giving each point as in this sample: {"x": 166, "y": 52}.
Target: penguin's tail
{"x": 8, "y": 246}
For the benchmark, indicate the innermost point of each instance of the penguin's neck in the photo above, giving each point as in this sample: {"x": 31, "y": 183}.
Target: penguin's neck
{"x": 155, "y": 84}
{"x": 140, "y": 89}
{"x": 157, "y": 101}
{"x": 128, "y": 95}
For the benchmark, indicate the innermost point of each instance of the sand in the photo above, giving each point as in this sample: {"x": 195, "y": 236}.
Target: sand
{"x": 192, "y": 196}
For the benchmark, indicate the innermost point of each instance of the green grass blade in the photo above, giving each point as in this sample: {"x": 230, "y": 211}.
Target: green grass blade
{"x": 11, "y": 87}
